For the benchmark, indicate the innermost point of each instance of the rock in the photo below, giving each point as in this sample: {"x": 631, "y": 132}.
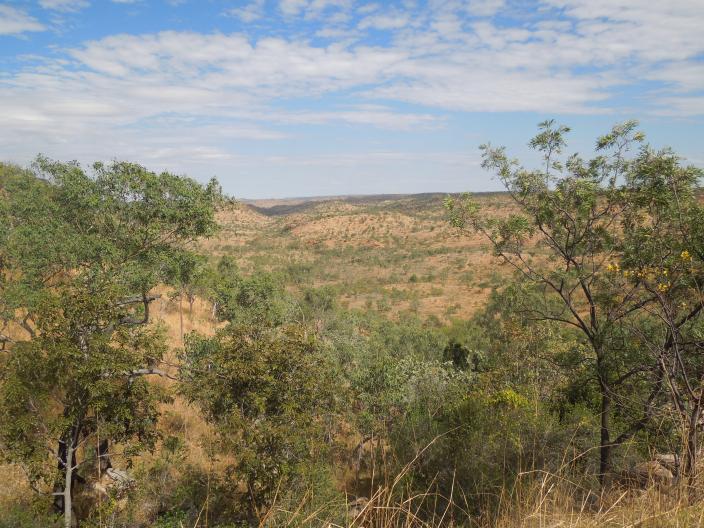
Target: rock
{"x": 356, "y": 507}
{"x": 647, "y": 474}
{"x": 112, "y": 486}
{"x": 669, "y": 461}
{"x": 121, "y": 478}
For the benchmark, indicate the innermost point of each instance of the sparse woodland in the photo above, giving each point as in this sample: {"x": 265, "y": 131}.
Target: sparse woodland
{"x": 170, "y": 358}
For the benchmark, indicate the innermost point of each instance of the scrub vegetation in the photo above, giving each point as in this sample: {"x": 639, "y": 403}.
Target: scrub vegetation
{"x": 174, "y": 358}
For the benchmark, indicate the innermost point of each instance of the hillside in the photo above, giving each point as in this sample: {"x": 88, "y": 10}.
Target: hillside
{"x": 393, "y": 253}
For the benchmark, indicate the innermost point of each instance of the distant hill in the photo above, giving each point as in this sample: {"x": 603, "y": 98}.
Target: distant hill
{"x": 286, "y": 206}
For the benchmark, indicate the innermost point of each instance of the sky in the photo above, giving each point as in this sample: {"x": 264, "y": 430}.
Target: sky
{"x": 281, "y": 98}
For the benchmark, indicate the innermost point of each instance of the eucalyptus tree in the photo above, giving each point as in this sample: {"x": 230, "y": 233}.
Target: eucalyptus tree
{"x": 81, "y": 256}
{"x": 565, "y": 236}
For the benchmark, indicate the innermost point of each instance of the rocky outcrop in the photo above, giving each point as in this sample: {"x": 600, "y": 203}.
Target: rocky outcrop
{"x": 652, "y": 473}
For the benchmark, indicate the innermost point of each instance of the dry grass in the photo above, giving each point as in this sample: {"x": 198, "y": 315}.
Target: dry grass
{"x": 538, "y": 500}
{"x": 371, "y": 250}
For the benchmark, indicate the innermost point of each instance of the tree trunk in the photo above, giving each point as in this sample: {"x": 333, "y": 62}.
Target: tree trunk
{"x": 68, "y": 484}
{"x": 692, "y": 445}
{"x": 605, "y": 439}
{"x": 180, "y": 313}
{"x": 690, "y": 464}
{"x": 103, "y": 456}
{"x": 63, "y": 487}
{"x": 252, "y": 509}
{"x": 59, "y": 484}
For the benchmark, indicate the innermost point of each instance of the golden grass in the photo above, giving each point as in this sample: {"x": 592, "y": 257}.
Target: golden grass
{"x": 538, "y": 500}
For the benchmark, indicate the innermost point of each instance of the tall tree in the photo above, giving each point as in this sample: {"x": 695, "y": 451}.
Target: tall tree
{"x": 664, "y": 255}
{"x": 565, "y": 239}
{"x": 81, "y": 256}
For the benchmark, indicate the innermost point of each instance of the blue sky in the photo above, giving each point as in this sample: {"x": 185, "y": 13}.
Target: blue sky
{"x": 320, "y": 97}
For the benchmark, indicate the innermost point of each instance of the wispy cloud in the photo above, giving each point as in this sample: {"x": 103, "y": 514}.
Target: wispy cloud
{"x": 64, "y": 5}
{"x": 14, "y": 21}
{"x": 249, "y": 12}
{"x": 394, "y": 20}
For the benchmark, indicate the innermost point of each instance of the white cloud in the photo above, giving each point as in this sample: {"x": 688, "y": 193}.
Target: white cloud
{"x": 249, "y": 12}
{"x": 685, "y": 76}
{"x": 209, "y": 64}
{"x": 313, "y": 9}
{"x": 340, "y": 34}
{"x": 14, "y": 21}
{"x": 375, "y": 115}
{"x": 436, "y": 58}
{"x": 64, "y": 5}
{"x": 618, "y": 29}
{"x": 365, "y": 9}
{"x": 149, "y": 97}
{"x": 384, "y": 21}
{"x": 292, "y": 7}
{"x": 484, "y": 7}
{"x": 680, "y": 106}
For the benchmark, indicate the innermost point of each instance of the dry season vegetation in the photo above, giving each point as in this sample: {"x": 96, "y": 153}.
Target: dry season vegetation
{"x": 172, "y": 358}
{"x": 393, "y": 254}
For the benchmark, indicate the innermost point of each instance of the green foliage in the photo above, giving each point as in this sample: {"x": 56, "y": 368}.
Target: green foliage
{"x": 596, "y": 340}
{"x": 256, "y": 299}
{"x": 319, "y": 301}
{"x": 458, "y": 355}
{"x": 271, "y": 397}
{"x": 22, "y": 517}
{"x": 80, "y": 257}
{"x": 592, "y": 244}
{"x": 409, "y": 338}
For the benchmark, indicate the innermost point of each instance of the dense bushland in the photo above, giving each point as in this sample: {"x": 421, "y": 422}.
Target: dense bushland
{"x": 586, "y": 360}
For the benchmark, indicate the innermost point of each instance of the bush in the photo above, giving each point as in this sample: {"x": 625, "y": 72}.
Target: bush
{"x": 272, "y": 397}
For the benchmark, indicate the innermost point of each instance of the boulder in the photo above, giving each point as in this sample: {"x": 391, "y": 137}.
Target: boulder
{"x": 647, "y": 474}
{"x": 121, "y": 479}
